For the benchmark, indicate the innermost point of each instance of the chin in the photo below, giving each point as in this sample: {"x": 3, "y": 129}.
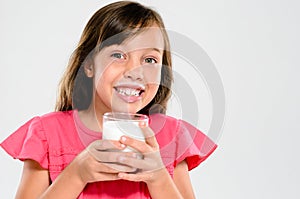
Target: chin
{"x": 123, "y": 105}
{"x": 126, "y": 107}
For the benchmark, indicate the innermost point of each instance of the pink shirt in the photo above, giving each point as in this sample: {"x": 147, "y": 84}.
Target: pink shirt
{"x": 54, "y": 140}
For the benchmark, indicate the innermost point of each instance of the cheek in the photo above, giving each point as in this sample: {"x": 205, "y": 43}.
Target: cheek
{"x": 102, "y": 84}
{"x": 105, "y": 78}
{"x": 152, "y": 90}
{"x": 152, "y": 74}
{"x": 103, "y": 69}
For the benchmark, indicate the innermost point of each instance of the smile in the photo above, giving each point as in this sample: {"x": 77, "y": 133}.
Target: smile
{"x": 130, "y": 92}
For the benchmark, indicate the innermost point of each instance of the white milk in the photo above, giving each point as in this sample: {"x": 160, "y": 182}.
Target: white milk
{"x": 113, "y": 130}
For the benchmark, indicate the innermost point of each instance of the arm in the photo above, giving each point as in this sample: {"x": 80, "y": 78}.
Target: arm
{"x": 28, "y": 187}
{"x": 151, "y": 168}
{"x": 182, "y": 184}
{"x": 163, "y": 187}
{"x": 67, "y": 185}
{"x": 88, "y": 166}
{"x": 159, "y": 182}
{"x": 35, "y": 182}
{"x": 182, "y": 180}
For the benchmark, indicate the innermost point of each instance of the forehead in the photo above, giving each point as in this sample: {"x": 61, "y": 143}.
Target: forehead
{"x": 151, "y": 37}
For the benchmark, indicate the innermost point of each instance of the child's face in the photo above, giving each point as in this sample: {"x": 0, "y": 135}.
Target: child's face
{"x": 127, "y": 76}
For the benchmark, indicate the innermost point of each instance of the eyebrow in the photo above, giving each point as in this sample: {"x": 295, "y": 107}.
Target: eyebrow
{"x": 149, "y": 49}
{"x": 155, "y": 49}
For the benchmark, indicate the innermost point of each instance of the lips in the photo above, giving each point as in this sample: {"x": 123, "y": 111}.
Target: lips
{"x": 130, "y": 92}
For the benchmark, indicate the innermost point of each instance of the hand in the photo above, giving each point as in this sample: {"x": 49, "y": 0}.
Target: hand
{"x": 99, "y": 161}
{"x": 150, "y": 167}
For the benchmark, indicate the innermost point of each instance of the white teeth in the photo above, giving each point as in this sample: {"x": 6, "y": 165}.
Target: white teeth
{"x": 128, "y": 91}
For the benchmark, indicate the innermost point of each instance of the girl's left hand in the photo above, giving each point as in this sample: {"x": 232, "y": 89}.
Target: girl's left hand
{"x": 150, "y": 165}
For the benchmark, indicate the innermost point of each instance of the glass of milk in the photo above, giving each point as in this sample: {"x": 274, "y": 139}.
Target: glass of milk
{"x": 116, "y": 124}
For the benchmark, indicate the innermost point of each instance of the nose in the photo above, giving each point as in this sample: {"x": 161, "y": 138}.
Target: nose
{"x": 134, "y": 71}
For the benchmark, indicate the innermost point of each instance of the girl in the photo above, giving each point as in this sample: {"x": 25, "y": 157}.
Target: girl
{"x": 123, "y": 64}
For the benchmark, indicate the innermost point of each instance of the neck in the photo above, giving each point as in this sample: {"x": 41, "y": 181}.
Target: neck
{"x": 93, "y": 116}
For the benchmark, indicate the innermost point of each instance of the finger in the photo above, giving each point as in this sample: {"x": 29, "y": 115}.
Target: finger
{"x": 106, "y": 176}
{"x": 109, "y": 156}
{"x": 117, "y": 168}
{"x": 104, "y": 145}
{"x": 147, "y": 164}
{"x": 100, "y": 167}
{"x": 149, "y": 135}
{"x": 138, "y": 145}
{"x": 135, "y": 177}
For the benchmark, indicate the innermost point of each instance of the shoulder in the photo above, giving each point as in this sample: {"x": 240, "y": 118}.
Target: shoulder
{"x": 61, "y": 117}
{"x": 161, "y": 122}
{"x": 181, "y": 138}
{"x": 53, "y": 122}
{"x": 57, "y": 115}
{"x": 166, "y": 128}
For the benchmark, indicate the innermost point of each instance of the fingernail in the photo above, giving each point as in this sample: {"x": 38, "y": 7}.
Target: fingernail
{"x": 140, "y": 156}
{"x": 142, "y": 124}
{"x": 123, "y": 139}
{"x": 123, "y": 145}
{"x": 134, "y": 155}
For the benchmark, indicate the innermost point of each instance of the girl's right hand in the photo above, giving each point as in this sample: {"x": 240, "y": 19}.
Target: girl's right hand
{"x": 99, "y": 161}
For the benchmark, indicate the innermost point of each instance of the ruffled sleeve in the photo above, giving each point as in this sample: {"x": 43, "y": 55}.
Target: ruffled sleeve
{"x": 28, "y": 142}
{"x": 192, "y": 145}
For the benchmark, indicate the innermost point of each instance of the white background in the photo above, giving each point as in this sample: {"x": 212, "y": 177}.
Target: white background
{"x": 254, "y": 44}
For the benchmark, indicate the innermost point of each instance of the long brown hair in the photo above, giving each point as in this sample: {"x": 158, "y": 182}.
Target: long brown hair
{"x": 76, "y": 89}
